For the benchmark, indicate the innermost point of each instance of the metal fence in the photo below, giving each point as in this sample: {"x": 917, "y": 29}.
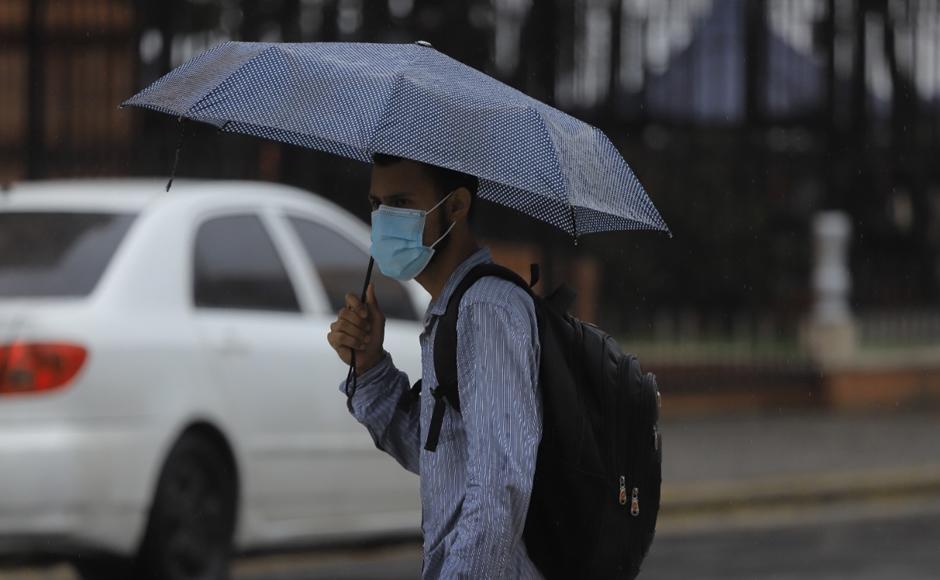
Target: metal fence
{"x": 899, "y": 329}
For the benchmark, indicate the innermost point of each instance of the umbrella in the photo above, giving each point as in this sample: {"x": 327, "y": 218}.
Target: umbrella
{"x": 412, "y": 101}
{"x": 409, "y": 100}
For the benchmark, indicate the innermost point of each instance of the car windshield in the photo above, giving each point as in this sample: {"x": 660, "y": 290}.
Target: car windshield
{"x": 57, "y": 254}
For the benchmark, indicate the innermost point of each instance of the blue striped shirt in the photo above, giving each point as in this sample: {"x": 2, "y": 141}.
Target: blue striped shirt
{"x": 475, "y": 488}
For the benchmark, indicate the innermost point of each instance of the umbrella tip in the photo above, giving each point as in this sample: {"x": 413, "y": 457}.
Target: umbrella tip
{"x": 424, "y": 43}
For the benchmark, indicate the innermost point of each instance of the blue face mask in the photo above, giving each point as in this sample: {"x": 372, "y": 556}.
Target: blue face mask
{"x": 398, "y": 240}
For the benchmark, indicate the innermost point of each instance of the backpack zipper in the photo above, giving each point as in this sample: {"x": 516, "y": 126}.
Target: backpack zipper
{"x": 634, "y": 446}
{"x": 621, "y": 437}
{"x": 618, "y": 444}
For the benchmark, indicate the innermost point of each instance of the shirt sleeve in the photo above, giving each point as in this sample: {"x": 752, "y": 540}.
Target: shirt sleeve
{"x": 500, "y": 406}
{"x": 375, "y": 404}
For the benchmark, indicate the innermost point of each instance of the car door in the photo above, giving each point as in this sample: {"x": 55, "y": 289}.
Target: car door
{"x": 259, "y": 343}
{"x": 379, "y": 488}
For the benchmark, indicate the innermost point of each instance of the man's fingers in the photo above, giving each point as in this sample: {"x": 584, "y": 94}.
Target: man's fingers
{"x": 352, "y": 330}
{"x": 348, "y": 329}
{"x": 338, "y": 338}
{"x": 374, "y": 303}
{"x": 357, "y": 330}
{"x": 353, "y": 319}
{"x": 355, "y": 305}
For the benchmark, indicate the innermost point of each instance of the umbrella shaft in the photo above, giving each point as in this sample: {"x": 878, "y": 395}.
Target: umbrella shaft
{"x": 352, "y": 359}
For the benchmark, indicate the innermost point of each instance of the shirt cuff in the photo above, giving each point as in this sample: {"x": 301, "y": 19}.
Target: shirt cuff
{"x": 370, "y": 375}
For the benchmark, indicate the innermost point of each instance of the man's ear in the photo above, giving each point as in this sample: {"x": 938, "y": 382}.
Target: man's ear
{"x": 459, "y": 204}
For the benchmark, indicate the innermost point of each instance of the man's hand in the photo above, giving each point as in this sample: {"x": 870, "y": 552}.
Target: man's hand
{"x": 359, "y": 327}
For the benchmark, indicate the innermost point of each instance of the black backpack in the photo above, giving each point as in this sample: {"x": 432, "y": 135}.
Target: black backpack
{"x": 595, "y": 496}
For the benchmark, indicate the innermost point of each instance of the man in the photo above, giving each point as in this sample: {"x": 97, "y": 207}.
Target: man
{"x": 475, "y": 488}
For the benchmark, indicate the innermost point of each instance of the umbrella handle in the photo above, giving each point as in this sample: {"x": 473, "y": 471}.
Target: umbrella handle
{"x": 176, "y": 155}
{"x": 352, "y": 359}
{"x": 365, "y": 284}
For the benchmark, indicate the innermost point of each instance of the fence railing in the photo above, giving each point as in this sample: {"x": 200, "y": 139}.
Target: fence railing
{"x": 899, "y": 329}
{"x": 694, "y": 338}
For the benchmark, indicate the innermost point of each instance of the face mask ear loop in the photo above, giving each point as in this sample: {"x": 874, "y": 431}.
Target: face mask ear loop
{"x": 452, "y": 224}
{"x": 438, "y": 204}
{"x": 444, "y": 235}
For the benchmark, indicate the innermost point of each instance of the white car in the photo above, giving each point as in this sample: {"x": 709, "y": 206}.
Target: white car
{"x": 165, "y": 374}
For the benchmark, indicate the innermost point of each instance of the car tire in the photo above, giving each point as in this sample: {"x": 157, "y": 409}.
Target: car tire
{"x": 192, "y": 518}
{"x": 104, "y": 568}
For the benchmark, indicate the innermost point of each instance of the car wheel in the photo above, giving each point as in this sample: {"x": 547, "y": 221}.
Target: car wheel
{"x": 192, "y": 519}
{"x": 103, "y": 568}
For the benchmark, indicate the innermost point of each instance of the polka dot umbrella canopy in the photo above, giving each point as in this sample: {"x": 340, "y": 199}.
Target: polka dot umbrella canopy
{"x": 410, "y": 100}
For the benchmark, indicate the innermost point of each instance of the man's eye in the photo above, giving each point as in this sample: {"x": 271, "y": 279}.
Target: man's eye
{"x": 375, "y": 203}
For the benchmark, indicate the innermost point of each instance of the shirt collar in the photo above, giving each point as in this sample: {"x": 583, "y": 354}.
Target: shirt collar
{"x": 439, "y": 304}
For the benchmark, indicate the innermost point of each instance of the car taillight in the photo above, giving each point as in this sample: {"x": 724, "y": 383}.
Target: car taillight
{"x": 27, "y": 367}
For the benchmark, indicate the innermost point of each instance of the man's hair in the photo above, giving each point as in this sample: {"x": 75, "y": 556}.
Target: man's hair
{"x": 445, "y": 180}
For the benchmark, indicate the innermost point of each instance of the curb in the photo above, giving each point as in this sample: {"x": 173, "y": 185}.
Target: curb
{"x": 707, "y": 498}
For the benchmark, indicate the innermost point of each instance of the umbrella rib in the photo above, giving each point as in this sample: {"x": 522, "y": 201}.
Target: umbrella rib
{"x": 370, "y": 147}
{"x": 259, "y": 54}
{"x": 399, "y": 79}
{"x": 548, "y": 135}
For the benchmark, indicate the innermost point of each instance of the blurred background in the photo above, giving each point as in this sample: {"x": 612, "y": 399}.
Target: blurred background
{"x": 791, "y": 145}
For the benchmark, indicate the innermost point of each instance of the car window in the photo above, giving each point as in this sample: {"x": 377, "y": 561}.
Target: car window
{"x": 341, "y": 266}
{"x": 47, "y": 254}
{"x": 237, "y": 266}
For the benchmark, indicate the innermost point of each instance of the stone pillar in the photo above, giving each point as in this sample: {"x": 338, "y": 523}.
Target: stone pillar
{"x": 829, "y": 335}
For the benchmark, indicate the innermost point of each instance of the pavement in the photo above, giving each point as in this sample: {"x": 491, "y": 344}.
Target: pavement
{"x": 901, "y": 545}
{"x": 787, "y": 461}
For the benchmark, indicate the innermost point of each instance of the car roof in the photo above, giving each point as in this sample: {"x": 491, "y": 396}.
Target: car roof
{"x": 146, "y": 195}
{"x": 137, "y": 194}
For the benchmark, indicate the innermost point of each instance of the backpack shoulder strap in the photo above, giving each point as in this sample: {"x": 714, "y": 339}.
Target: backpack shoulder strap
{"x": 445, "y": 345}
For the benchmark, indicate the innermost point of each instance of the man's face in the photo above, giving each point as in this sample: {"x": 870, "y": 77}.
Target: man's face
{"x": 407, "y": 185}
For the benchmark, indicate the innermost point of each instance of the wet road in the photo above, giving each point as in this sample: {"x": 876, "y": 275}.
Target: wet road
{"x": 900, "y": 547}
{"x": 905, "y": 548}
{"x": 891, "y": 544}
